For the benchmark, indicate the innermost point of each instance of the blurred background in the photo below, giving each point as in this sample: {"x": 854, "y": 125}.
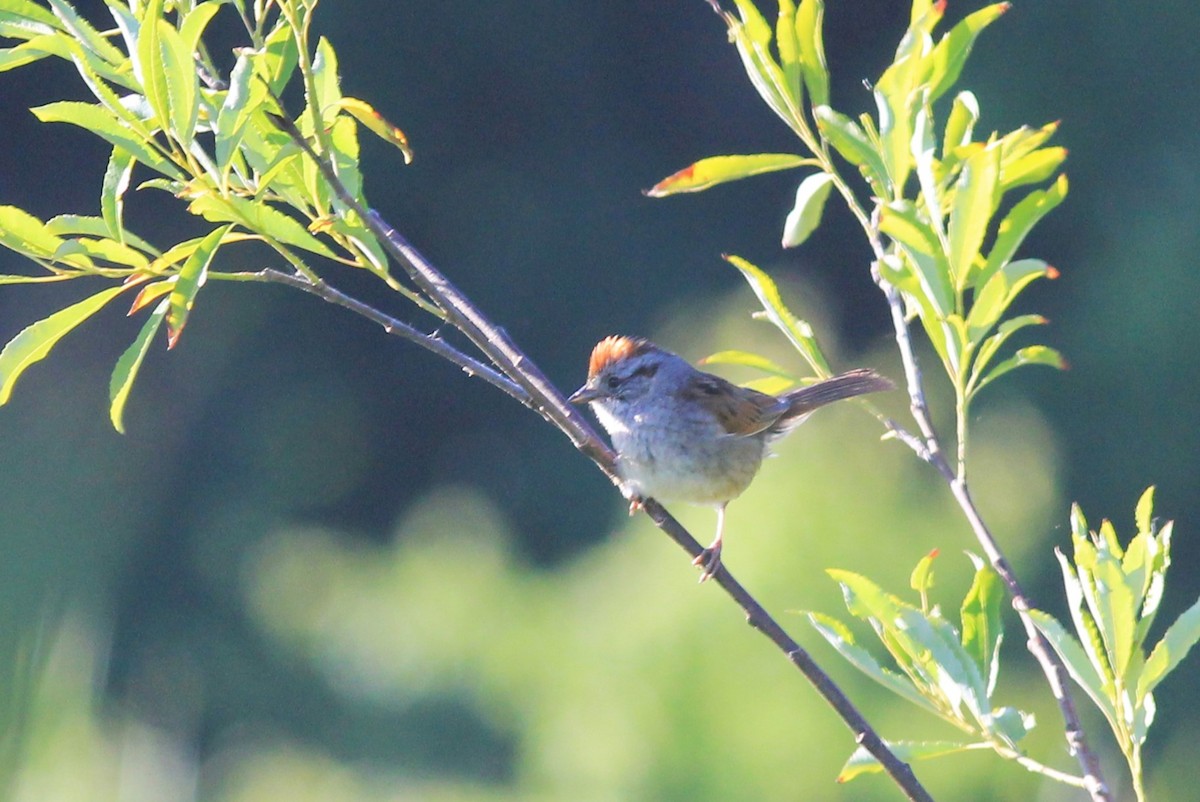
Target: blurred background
{"x": 323, "y": 565}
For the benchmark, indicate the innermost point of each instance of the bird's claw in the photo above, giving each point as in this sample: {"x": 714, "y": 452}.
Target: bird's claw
{"x": 710, "y": 561}
{"x": 635, "y": 504}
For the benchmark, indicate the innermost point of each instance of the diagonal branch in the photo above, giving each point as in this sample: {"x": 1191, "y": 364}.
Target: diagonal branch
{"x": 929, "y": 449}
{"x": 550, "y": 403}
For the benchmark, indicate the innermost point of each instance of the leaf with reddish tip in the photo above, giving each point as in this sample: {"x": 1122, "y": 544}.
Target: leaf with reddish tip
{"x": 189, "y": 281}
{"x": 720, "y": 169}
{"x": 150, "y": 293}
{"x": 34, "y": 342}
{"x": 127, "y": 366}
{"x": 378, "y": 124}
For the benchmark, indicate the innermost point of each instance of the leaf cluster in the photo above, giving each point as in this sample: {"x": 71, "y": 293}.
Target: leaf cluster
{"x": 218, "y": 146}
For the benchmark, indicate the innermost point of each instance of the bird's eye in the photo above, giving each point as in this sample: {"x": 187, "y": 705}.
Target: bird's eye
{"x": 613, "y": 382}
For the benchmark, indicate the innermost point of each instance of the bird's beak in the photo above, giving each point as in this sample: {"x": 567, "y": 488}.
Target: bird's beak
{"x": 585, "y": 394}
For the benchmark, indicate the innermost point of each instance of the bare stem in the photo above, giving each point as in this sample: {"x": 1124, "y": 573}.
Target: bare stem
{"x": 550, "y": 403}
{"x": 930, "y": 451}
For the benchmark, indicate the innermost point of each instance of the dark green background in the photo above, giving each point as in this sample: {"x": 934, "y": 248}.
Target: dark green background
{"x": 535, "y": 126}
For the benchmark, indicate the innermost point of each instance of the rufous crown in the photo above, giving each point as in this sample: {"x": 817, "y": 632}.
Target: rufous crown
{"x": 613, "y": 349}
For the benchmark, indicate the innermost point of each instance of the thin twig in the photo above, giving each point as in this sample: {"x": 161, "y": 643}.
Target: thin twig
{"x": 430, "y": 342}
{"x": 930, "y": 451}
{"x": 549, "y": 402}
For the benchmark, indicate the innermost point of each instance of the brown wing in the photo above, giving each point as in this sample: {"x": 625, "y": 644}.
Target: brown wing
{"x": 740, "y": 411}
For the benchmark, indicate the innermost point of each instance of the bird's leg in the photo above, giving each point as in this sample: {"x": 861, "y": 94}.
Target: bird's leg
{"x": 710, "y": 558}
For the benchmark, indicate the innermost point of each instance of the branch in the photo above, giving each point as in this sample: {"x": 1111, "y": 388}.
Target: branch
{"x": 929, "y": 449}
{"x": 546, "y": 399}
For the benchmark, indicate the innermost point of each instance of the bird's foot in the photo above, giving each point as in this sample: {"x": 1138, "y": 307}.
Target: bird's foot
{"x": 709, "y": 560}
{"x": 635, "y": 504}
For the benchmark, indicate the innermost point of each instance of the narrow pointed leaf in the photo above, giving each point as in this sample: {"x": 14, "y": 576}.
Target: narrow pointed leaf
{"x": 112, "y": 195}
{"x": 1001, "y": 289}
{"x": 805, "y": 215}
{"x": 961, "y": 122}
{"x": 950, "y": 54}
{"x": 1076, "y": 662}
{"x": 975, "y": 198}
{"x": 1029, "y": 355}
{"x": 34, "y": 342}
{"x": 191, "y": 278}
{"x": 863, "y": 762}
{"x": 1143, "y": 515}
{"x": 130, "y": 363}
{"x": 104, "y": 124}
{"x": 982, "y": 625}
{"x": 720, "y": 169}
{"x": 991, "y": 346}
{"x": 848, "y": 139}
{"x": 377, "y": 124}
{"x": 1169, "y": 652}
{"x": 748, "y": 360}
{"x": 810, "y": 38}
{"x": 797, "y": 331}
{"x": 1019, "y": 221}
{"x": 842, "y": 639}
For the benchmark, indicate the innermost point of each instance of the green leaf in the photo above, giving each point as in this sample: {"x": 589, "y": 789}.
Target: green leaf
{"x": 279, "y": 57}
{"x": 196, "y": 20}
{"x": 148, "y": 63}
{"x": 246, "y": 95}
{"x": 975, "y": 198}
{"x": 842, "y": 639}
{"x": 1143, "y": 516}
{"x": 810, "y": 38}
{"x": 798, "y": 332}
{"x": 65, "y": 224}
{"x": 1001, "y": 289}
{"x": 863, "y": 762}
{"x": 848, "y": 139}
{"x": 805, "y": 215}
{"x": 20, "y": 16}
{"x": 992, "y": 344}
{"x": 191, "y": 278}
{"x": 1029, "y": 355}
{"x": 1032, "y": 168}
{"x": 982, "y": 625}
{"x": 950, "y": 54}
{"x": 85, "y": 33}
{"x": 960, "y": 123}
{"x": 1180, "y": 637}
{"x": 259, "y": 218}
{"x": 39, "y": 279}
{"x": 752, "y": 37}
{"x": 328, "y": 86}
{"x": 127, "y": 366}
{"x": 1076, "y": 662}
{"x": 1115, "y": 608}
{"x": 748, "y": 360}
{"x": 27, "y": 235}
{"x": 1019, "y": 221}
{"x": 720, "y": 169}
{"x": 921, "y": 578}
{"x": 104, "y": 124}
{"x": 789, "y": 48}
{"x": 377, "y": 124}
{"x": 34, "y": 342}
{"x": 112, "y": 194}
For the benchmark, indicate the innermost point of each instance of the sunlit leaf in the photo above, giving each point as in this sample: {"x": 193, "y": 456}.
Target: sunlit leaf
{"x": 975, "y": 197}
{"x": 1076, "y": 661}
{"x": 1144, "y": 512}
{"x": 796, "y": 330}
{"x": 130, "y": 362}
{"x": 1001, "y": 289}
{"x": 749, "y": 360}
{"x": 1018, "y": 222}
{"x": 82, "y": 30}
{"x": 720, "y": 169}
{"x": 103, "y": 123}
{"x": 1032, "y": 168}
{"x": 151, "y": 293}
{"x": 982, "y": 625}
{"x": 1029, "y": 355}
{"x": 805, "y": 215}
{"x": 194, "y": 23}
{"x": 961, "y": 122}
{"x": 112, "y": 195}
{"x": 921, "y": 578}
{"x": 989, "y": 348}
{"x": 789, "y": 48}
{"x": 810, "y": 38}
{"x": 863, "y": 762}
{"x": 191, "y": 278}
{"x": 842, "y": 639}
{"x": 260, "y": 218}
{"x": 950, "y": 54}
{"x": 25, "y": 234}
{"x": 34, "y": 342}
{"x": 848, "y": 139}
{"x": 1180, "y": 637}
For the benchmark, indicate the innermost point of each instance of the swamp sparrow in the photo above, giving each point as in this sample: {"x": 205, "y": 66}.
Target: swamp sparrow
{"x": 682, "y": 434}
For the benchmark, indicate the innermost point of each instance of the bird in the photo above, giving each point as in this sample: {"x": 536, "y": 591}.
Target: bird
{"x": 685, "y": 435}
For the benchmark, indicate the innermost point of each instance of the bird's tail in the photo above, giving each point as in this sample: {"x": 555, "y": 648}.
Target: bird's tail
{"x": 804, "y": 400}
